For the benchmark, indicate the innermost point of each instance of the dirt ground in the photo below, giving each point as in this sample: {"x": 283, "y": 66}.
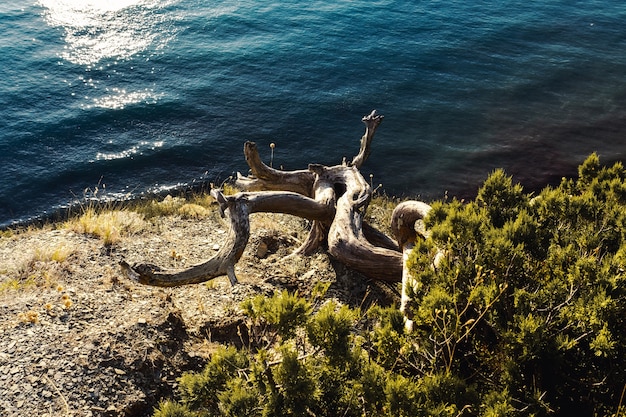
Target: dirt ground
{"x": 78, "y": 338}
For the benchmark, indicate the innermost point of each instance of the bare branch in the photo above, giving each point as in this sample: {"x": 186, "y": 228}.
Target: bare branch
{"x": 238, "y": 209}
{"x": 403, "y": 220}
{"x": 371, "y": 121}
{"x": 266, "y": 178}
{"x": 223, "y": 263}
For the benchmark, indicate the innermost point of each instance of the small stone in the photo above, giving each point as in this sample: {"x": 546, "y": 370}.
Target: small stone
{"x": 216, "y": 247}
{"x": 119, "y": 371}
{"x": 141, "y": 320}
{"x": 261, "y": 251}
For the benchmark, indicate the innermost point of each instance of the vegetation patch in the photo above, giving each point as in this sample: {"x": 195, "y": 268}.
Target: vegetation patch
{"x": 523, "y": 315}
{"x": 108, "y": 225}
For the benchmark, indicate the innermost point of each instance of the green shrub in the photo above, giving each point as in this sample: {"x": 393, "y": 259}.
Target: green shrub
{"x": 538, "y": 280}
{"x": 523, "y": 315}
{"x": 173, "y": 409}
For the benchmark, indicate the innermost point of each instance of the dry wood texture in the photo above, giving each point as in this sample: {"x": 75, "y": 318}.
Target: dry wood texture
{"x": 334, "y": 198}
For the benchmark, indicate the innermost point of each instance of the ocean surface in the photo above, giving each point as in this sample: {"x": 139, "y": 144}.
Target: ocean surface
{"x": 120, "y": 98}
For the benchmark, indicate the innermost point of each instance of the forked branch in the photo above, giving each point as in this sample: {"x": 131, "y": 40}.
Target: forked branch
{"x": 334, "y": 198}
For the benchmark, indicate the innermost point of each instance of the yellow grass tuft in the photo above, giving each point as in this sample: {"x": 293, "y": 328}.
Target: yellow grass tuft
{"x": 109, "y": 226}
{"x": 195, "y": 207}
{"x": 204, "y": 199}
{"x": 193, "y": 211}
{"x": 42, "y": 267}
{"x": 6, "y": 233}
{"x": 58, "y": 253}
{"x": 30, "y": 316}
{"x": 229, "y": 189}
{"x": 168, "y": 206}
{"x": 12, "y": 284}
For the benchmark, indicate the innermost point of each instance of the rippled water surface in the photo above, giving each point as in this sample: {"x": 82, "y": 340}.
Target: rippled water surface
{"x": 135, "y": 96}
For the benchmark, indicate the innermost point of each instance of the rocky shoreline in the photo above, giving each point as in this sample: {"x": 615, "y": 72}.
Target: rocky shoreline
{"x": 77, "y": 338}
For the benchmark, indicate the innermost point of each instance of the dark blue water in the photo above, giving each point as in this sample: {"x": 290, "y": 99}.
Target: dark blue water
{"x": 136, "y": 96}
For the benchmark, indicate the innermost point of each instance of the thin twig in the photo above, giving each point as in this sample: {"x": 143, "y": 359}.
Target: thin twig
{"x": 621, "y": 399}
{"x": 67, "y": 406}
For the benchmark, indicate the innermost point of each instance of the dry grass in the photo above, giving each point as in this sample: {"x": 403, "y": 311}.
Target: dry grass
{"x": 6, "y": 233}
{"x": 196, "y": 207}
{"x": 379, "y": 212}
{"x": 39, "y": 267}
{"x": 34, "y": 274}
{"x": 58, "y": 253}
{"x": 193, "y": 211}
{"x": 229, "y": 189}
{"x": 30, "y": 316}
{"x": 109, "y": 226}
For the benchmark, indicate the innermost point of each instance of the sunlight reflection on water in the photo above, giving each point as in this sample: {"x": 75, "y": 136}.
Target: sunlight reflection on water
{"x": 99, "y": 35}
{"x": 97, "y": 30}
{"x": 134, "y": 150}
{"x": 121, "y": 98}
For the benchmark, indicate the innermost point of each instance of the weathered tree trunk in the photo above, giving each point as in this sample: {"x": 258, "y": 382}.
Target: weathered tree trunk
{"x": 403, "y": 220}
{"x": 335, "y": 199}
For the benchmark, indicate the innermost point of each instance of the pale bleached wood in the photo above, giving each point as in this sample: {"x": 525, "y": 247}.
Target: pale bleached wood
{"x": 403, "y": 220}
{"x": 238, "y": 209}
{"x": 371, "y": 121}
{"x": 334, "y": 198}
{"x": 346, "y": 240}
{"x": 265, "y": 178}
{"x": 403, "y": 226}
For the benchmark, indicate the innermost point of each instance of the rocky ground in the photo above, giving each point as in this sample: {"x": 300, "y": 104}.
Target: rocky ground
{"x": 77, "y": 338}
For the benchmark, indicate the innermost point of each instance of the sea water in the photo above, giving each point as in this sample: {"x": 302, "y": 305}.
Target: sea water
{"x": 126, "y": 97}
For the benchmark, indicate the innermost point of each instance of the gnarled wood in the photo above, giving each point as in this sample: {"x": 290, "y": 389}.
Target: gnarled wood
{"x": 223, "y": 263}
{"x": 264, "y": 178}
{"x": 238, "y": 209}
{"x": 335, "y": 199}
{"x": 346, "y": 240}
{"x": 403, "y": 220}
{"x": 371, "y": 121}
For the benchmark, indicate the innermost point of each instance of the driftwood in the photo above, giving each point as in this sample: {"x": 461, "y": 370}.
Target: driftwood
{"x": 334, "y": 198}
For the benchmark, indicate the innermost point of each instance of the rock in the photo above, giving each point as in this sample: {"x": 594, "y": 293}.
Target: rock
{"x": 261, "y": 250}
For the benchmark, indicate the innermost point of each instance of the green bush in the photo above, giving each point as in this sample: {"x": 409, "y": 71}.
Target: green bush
{"x": 527, "y": 305}
{"x": 523, "y": 315}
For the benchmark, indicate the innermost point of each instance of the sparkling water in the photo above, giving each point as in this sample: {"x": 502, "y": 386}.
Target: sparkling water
{"x": 140, "y": 96}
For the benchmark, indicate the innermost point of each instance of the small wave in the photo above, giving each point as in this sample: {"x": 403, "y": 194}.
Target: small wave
{"x": 120, "y": 98}
{"x": 127, "y": 153}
